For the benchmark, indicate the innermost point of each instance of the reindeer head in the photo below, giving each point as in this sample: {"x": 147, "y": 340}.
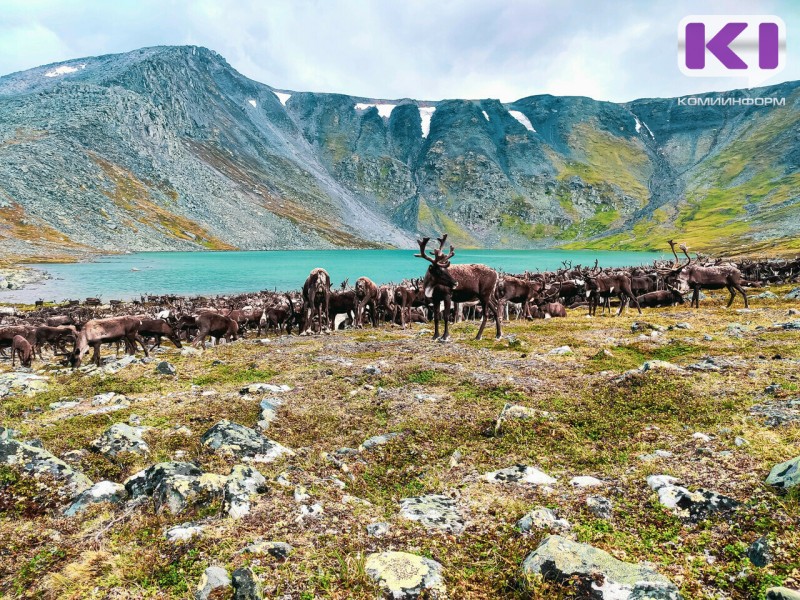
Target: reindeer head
{"x": 437, "y": 273}
{"x": 677, "y": 277}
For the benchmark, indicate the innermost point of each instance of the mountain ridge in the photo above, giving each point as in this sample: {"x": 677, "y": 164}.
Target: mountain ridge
{"x": 170, "y": 148}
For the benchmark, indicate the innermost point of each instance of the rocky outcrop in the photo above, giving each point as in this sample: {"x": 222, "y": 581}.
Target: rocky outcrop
{"x": 404, "y": 576}
{"x": 38, "y": 462}
{"x": 237, "y": 440}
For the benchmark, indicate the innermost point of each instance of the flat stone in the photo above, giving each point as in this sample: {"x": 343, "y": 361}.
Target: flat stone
{"x": 380, "y": 529}
{"x": 144, "y": 482}
{"x": 694, "y": 506}
{"x": 213, "y": 578}
{"x": 434, "y": 511}
{"x": 759, "y": 552}
{"x": 179, "y": 492}
{"x": 601, "y": 576}
{"x": 280, "y": 550}
{"x": 542, "y": 518}
{"x": 166, "y": 368}
{"x": 265, "y": 388}
{"x": 520, "y": 474}
{"x": 786, "y": 474}
{"x": 102, "y": 491}
{"x": 241, "y": 441}
{"x": 63, "y": 404}
{"x": 119, "y": 438}
{"x": 782, "y": 593}
{"x": 586, "y": 481}
{"x": 404, "y": 576}
{"x": 378, "y": 440}
{"x": 560, "y": 351}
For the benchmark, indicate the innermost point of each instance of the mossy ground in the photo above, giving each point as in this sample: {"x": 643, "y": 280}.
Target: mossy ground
{"x": 442, "y": 398}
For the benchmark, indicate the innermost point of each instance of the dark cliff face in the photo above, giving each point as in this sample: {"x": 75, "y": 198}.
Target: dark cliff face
{"x": 170, "y": 148}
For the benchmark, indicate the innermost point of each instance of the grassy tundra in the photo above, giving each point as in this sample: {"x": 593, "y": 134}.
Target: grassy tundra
{"x": 441, "y": 398}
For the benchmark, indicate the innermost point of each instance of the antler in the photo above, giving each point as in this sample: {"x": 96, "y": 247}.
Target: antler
{"x": 686, "y": 252}
{"x": 422, "y": 244}
{"x": 672, "y": 246}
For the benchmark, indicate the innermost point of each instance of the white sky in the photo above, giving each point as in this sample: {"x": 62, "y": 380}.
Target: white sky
{"x": 427, "y": 50}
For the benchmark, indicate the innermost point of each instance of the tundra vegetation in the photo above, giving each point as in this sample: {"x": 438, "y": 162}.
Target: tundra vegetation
{"x": 302, "y": 465}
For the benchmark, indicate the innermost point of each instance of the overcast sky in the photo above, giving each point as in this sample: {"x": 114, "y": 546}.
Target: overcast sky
{"x": 613, "y": 50}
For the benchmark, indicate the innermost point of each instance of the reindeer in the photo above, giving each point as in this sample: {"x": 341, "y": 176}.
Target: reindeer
{"x": 21, "y": 348}
{"x": 316, "y": 299}
{"x": 404, "y": 297}
{"x": 457, "y": 283}
{"x": 217, "y": 326}
{"x": 158, "y": 328}
{"x": 367, "y": 296}
{"x": 605, "y": 286}
{"x": 104, "y": 331}
{"x": 687, "y": 277}
{"x": 668, "y": 297}
{"x": 345, "y": 303}
{"x": 514, "y": 289}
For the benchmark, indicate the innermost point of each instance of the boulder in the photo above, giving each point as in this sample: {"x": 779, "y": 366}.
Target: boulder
{"x": 121, "y": 437}
{"x": 520, "y": 474}
{"x": 786, "y": 474}
{"x": 600, "y": 506}
{"x": 102, "y": 491}
{"x": 601, "y": 576}
{"x": 782, "y": 593}
{"x": 243, "y": 483}
{"x": 246, "y": 585}
{"x": 695, "y": 506}
{"x": 37, "y": 461}
{"x": 380, "y": 529}
{"x": 793, "y": 295}
{"x": 759, "y": 552}
{"x": 404, "y": 576}
{"x": 178, "y": 492}
{"x": 434, "y": 511}
{"x": 585, "y": 481}
{"x": 144, "y": 482}
{"x": 241, "y": 441}
{"x": 213, "y": 578}
{"x": 166, "y": 368}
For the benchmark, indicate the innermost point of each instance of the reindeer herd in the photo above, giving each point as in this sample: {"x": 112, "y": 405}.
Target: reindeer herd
{"x": 447, "y": 292}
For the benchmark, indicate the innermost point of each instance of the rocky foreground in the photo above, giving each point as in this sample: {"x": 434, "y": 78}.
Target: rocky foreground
{"x": 653, "y": 456}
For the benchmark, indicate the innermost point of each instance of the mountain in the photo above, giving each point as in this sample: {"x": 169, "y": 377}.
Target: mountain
{"x": 170, "y": 148}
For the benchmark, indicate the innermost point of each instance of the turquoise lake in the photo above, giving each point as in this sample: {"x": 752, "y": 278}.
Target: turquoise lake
{"x": 128, "y": 276}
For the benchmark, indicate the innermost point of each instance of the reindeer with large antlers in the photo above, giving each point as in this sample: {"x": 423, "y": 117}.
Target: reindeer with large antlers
{"x": 693, "y": 277}
{"x": 457, "y": 283}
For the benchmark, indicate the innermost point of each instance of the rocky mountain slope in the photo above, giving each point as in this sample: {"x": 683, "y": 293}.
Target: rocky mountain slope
{"x": 169, "y": 148}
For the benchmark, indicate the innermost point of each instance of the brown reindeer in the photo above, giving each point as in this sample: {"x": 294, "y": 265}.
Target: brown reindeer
{"x": 21, "y": 348}
{"x": 516, "y": 290}
{"x": 158, "y": 328}
{"x": 217, "y": 326}
{"x": 605, "y": 286}
{"x": 694, "y": 277}
{"x": 316, "y": 299}
{"x": 105, "y": 331}
{"x": 668, "y": 297}
{"x": 457, "y": 283}
{"x": 367, "y": 296}
{"x": 403, "y": 299}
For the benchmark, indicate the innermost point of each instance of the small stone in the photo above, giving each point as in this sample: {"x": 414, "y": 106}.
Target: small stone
{"x": 246, "y": 585}
{"x": 279, "y": 550}
{"x": 372, "y": 370}
{"x": 786, "y": 474}
{"x": 656, "y": 482}
{"x": 455, "y": 459}
{"x": 519, "y": 474}
{"x": 434, "y": 511}
{"x": 599, "y": 506}
{"x": 542, "y": 518}
{"x": 404, "y": 576}
{"x": 585, "y": 481}
{"x": 701, "y": 436}
{"x": 165, "y": 368}
{"x": 300, "y": 494}
{"x": 241, "y": 486}
{"x": 378, "y": 529}
{"x": 739, "y": 441}
{"x": 213, "y": 578}
{"x": 378, "y": 440}
{"x": 102, "y": 491}
{"x": 183, "y": 532}
{"x": 560, "y": 351}
{"x": 759, "y": 552}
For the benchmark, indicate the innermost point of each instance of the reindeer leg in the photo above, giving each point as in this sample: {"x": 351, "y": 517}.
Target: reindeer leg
{"x": 436, "y": 321}
{"x": 447, "y": 305}
{"x": 496, "y": 319}
{"x": 484, "y": 305}
{"x": 740, "y": 289}
{"x": 733, "y": 295}
{"x": 96, "y": 355}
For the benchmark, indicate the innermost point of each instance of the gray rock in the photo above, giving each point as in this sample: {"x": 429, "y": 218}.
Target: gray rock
{"x": 791, "y": 324}
{"x": 782, "y": 593}
{"x": 380, "y": 529}
{"x": 777, "y": 413}
{"x": 560, "y": 559}
{"x": 265, "y": 388}
{"x": 243, "y": 483}
{"x": 759, "y": 552}
{"x": 520, "y": 474}
{"x": 241, "y": 441}
{"x": 213, "y": 578}
{"x": 280, "y": 550}
{"x": 378, "y": 440}
{"x": 102, "y": 491}
{"x": 740, "y": 441}
{"x": 62, "y": 404}
{"x": 656, "y": 482}
{"x": 786, "y": 474}
{"x": 21, "y": 383}
{"x": 121, "y": 437}
{"x": 434, "y": 511}
{"x": 246, "y": 585}
{"x": 372, "y": 370}
{"x": 166, "y": 368}
{"x": 695, "y": 506}
{"x": 600, "y": 506}
{"x": 269, "y": 411}
{"x": 542, "y": 518}
{"x": 560, "y": 351}
{"x": 767, "y": 295}
{"x": 179, "y": 492}
{"x": 144, "y": 482}
{"x": 38, "y": 461}
{"x": 404, "y": 576}
{"x": 793, "y": 295}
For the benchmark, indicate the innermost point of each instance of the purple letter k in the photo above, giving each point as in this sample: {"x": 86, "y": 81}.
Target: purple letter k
{"x": 718, "y": 45}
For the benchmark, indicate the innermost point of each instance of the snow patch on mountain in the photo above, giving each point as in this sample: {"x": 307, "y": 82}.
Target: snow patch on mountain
{"x": 64, "y": 70}
{"x": 522, "y": 119}
{"x": 426, "y": 114}
{"x": 284, "y": 98}
{"x": 384, "y": 110}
